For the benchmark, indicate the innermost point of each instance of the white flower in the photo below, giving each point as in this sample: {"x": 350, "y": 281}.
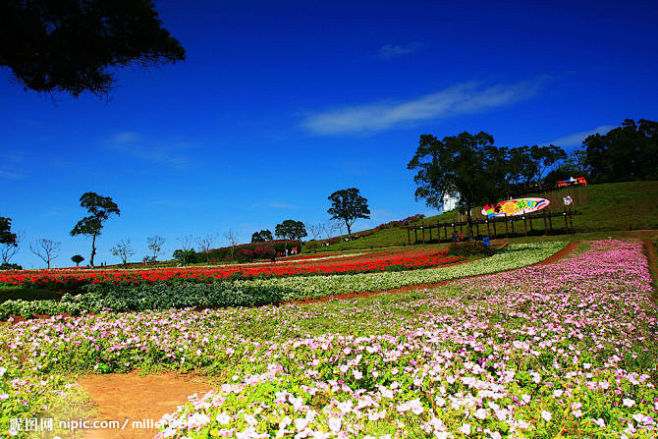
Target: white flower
{"x": 3, "y": 370}
{"x": 466, "y": 429}
{"x": 334, "y": 424}
{"x": 546, "y": 416}
{"x": 600, "y": 422}
{"x": 223, "y": 418}
{"x": 628, "y": 402}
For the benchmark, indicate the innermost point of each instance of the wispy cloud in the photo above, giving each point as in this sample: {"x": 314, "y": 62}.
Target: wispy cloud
{"x": 470, "y": 97}
{"x": 389, "y": 51}
{"x": 576, "y": 139}
{"x": 10, "y": 175}
{"x": 275, "y": 205}
{"x": 162, "y": 152}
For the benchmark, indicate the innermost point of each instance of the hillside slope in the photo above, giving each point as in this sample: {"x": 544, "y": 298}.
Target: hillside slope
{"x": 612, "y": 206}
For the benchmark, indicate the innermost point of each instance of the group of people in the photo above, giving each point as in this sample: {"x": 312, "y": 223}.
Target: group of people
{"x": 457, "y": 237}
{"x": 287, "y": 252}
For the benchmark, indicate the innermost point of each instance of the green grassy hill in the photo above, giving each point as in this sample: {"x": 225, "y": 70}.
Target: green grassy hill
{"x": 612, "y": 207}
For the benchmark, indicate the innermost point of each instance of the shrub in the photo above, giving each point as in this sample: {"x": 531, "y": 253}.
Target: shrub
{"x": 244, "y": 255}
{"x": 470, "y": 248}
{"x": 264, "y": 252}
{"x": 8, "y": 266}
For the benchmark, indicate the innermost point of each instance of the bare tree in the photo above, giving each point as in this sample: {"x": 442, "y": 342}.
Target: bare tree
{"x": 330, "y": 228}
{"x": 46, "y": 249}
{"x": 123, "y": 251}
{"x": 9, "y": 249}
{"x": 155, "y": 244}
{"x": 316, "y": 230}
{"x": 232, "y": 238}
{"x": 205, "y": 245}
{"x": 183, "y": 253}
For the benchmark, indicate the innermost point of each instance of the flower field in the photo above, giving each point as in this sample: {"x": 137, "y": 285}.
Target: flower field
{"x": 240, "y": 291}
{"x": 303, "y": 266}
{"x": 561, "y": 350}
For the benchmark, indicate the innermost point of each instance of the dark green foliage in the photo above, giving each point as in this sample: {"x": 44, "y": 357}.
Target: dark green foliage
{"x": 155, "y": 296}
{"x": 73, "y": 45}
{"x": 627, "y": 153}
{"x": 8, "y": 266}
{"x": 262, "y": 236}
{"x": 348, "y": 205}
{"x": 77, "y": 259}
{"x": 6, "y": 236}
{"x": 185, "y": 256}
{"x": 470, "y": 248}
{"x": 290, "y": 230}
{"x": 100, "y": 209}
{"x": 471, "y": 167}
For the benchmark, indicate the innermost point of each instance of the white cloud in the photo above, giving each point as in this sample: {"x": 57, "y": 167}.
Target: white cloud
{"x": 576, "y": 139}
{"x": 389, "y": 51}
{"x": 470, "y": 97}
{"x": 10, "y": 175}
{"x": 163, "y": 152}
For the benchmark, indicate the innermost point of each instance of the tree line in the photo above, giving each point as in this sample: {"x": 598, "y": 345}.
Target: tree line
{"x": 472, "y": 168}
{"x": 347, "y": 206}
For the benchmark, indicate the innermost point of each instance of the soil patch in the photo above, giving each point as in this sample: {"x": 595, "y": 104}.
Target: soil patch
{"x": 138, "y": 398}
{"x": 550, "y": 260}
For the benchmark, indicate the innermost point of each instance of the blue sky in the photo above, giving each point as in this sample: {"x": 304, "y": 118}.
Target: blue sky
{"x": 280, "y": 103}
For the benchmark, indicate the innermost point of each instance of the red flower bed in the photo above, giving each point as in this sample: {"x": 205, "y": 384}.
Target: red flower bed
{"x": 373, "y": 262}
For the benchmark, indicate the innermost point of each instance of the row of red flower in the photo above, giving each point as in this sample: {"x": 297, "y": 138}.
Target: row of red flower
{"x": 371, "y": 263}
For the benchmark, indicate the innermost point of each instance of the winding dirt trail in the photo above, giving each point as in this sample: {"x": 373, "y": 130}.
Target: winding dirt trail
{"x": 141, "y": 399}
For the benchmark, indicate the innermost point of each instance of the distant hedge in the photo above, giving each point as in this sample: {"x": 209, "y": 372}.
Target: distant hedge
{"x": 247, "y": 252}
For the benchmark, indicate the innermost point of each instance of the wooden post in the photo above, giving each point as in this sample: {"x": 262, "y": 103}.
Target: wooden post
{"x": 566, "y": 221}
{"x": 408, "y": 236}
{"x": 494, "y": 226}
{"x": 544, "y": 214}
{"x": 422, "y": 229}
{"x": 430, "y": 233}
{"x": 525, "y": 225}
{"x": 488, "y": 230}
{"x": 506, "y": 228}
{"x": 415, "y": 235}
{"x": 550, "y": 223}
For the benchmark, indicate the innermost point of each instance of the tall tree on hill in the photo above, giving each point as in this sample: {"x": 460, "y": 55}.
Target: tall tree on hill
{"x": 100, "y": 209}
{"x": 626, "y": 153}
{"x": 348, "y": 205}
{"x": 528, "y": 164}
{"x": 290, "y": 230}
{"x": 262, "y": 236}
{"x": 74, "y": 45}
{"x": 466, "y": 165}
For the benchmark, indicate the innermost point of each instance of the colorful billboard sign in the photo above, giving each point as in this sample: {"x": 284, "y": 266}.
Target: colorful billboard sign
{"x": 518, "y": 206}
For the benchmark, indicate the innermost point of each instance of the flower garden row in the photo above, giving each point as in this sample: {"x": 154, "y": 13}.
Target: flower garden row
{"x": 563, "y": 350}
{"x": 162, "y": 295}
{"x": 410, "y": 260}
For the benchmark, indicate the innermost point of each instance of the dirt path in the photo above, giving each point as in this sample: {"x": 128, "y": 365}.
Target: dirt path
{"x": 550, "y": 260}
{"x": 139, "y": 398}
